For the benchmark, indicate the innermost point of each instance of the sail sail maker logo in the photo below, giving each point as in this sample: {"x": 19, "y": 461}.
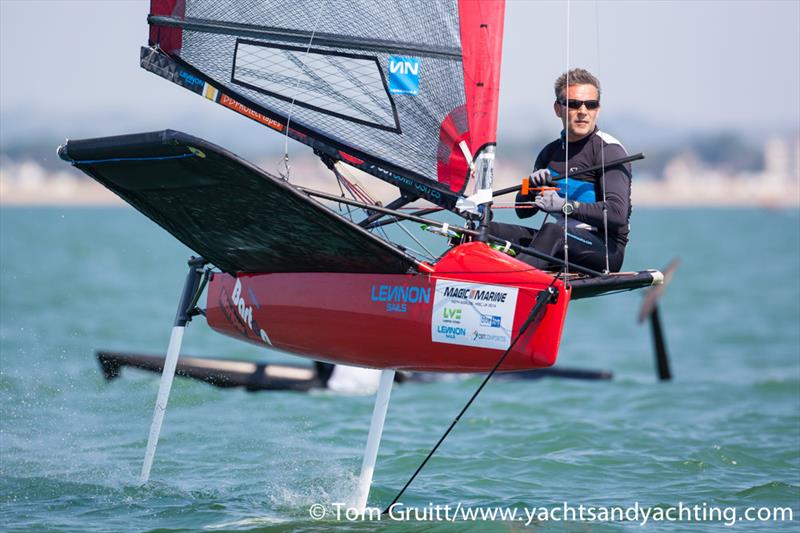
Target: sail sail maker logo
{"x": 397, "y": 296}
{"x": 403, "y": 75}
{"x": 191, "y": 79}
{"x": 242, "y": 109}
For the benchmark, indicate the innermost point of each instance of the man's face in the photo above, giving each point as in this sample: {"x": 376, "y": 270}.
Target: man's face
{"x": 578, "y": 122}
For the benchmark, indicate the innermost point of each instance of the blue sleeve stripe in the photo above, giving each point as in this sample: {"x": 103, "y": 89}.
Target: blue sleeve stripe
{"x": 119, "y": 159}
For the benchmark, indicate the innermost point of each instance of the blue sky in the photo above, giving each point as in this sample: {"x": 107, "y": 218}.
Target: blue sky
{"x": 706, "y": 65}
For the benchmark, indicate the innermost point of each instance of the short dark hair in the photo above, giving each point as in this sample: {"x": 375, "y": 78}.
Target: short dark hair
{"x": 577, "y": 76}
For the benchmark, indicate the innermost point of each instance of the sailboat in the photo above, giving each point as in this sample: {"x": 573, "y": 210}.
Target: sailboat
{"x": 406, "y": 92}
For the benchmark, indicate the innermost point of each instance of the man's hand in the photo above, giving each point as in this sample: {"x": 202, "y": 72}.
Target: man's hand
{"x": 550, "y": 202}
{"x": 539, "y": 178}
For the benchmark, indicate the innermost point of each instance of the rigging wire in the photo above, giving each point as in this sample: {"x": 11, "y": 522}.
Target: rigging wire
{"x": 602, "y": 148}
{"x": 545, "y": 297}
{"x": 402, "y": 227}
{"x": 347, "y": 206}
{"x": 359, "y": 192}
{"x": 566, "y": 151}
{"x": 294, "y": 96}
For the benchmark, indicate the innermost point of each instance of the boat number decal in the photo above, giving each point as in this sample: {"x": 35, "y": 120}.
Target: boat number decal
{"x": 246, "y": 311}
{"x": 403, "y": 75}
{"x": 397, "y": 297}
{"x": 472, "y": 314}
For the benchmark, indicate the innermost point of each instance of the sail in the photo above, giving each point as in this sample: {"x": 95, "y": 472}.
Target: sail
{"x": 404, "y": 90}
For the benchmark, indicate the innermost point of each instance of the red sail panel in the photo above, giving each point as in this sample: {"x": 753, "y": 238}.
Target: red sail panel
{"x": 481, "y": 28}
{"x": 168, "y": 38}
{"x": 482, "y": 47}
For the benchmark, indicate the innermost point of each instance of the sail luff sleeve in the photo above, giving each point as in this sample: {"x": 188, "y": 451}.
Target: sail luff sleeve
{"x": 168, "y": 38}
{"x": 382, "y": 83}
{"x": 482, "y": 48}
{"x": 475, "y": 123}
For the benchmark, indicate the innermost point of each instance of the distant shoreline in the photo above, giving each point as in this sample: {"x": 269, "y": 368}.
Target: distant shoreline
{"x": 65, "y": 189}
{"x": 94, "y": 195}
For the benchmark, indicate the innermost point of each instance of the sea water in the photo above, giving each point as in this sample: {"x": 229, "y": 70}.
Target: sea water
{"x": 725, "y": 433}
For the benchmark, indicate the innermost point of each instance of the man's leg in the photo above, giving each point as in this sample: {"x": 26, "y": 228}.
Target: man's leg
{"x": 585, "y": 248}
{"x": 548, "y": 240}
{"x": 514, "y": 233}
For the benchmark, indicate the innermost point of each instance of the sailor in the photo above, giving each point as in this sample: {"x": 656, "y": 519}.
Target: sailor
{"x": 589, "y": 213}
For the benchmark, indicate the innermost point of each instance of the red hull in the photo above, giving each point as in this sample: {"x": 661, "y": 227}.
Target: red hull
{"x": 460, "y": 317}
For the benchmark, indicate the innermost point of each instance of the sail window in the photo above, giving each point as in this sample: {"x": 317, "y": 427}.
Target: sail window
{"x": 348, "y": 86}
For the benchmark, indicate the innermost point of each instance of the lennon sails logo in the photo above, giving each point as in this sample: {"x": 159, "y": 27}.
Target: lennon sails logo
{"x": 403, "y": 75}
{"x": 451, "y": 332}
{"x": 397, "y": 296}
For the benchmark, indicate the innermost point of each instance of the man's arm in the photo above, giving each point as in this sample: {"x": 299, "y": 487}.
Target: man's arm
{"x": 618, "y": 195}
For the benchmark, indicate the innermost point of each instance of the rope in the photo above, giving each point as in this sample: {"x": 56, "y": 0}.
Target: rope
{"x": 602, "y": 148}
{"x": 545, "y": 296}
{"x": 566, "y": 152}
{"x": 430, "y": 255}
{"x": 294, "y": 96}
{"x": 341, "y": 189}
{"x": 358, "y": 192}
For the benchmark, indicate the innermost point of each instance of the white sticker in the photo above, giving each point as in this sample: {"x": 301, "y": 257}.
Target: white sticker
{"x": 473, "y": 314}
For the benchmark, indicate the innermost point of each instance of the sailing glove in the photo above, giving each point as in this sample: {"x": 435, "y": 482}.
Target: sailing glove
{"x": 540, "y": 178}
{"x": 550, "y": 202}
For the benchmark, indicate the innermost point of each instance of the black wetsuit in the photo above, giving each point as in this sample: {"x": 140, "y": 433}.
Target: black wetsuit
{"x": 586, "y": 235}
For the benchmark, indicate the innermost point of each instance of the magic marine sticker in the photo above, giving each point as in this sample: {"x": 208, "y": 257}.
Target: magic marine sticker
{"x": 473, "y": 314}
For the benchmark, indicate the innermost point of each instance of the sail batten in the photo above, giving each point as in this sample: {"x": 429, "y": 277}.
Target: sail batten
{"x": 391, "y": 88}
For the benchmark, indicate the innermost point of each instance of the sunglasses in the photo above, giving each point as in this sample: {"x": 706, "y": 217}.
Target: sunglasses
{"x": 577, "y": 104}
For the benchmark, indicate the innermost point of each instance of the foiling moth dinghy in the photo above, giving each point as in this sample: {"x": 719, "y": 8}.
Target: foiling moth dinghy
{"x": 404, "y": 91}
